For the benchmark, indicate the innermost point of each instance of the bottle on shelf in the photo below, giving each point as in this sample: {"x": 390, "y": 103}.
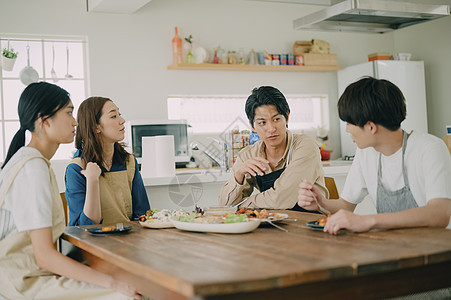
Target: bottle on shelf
{"x": 190, "y": 57}
{"x": 177, "y": 56}
{"x": 216, "y": 58}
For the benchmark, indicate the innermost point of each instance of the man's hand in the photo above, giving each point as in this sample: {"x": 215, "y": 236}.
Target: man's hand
{"x": 305, "y": 197}
{"x": 345, "y": 219}
{"x": 253, "y": 166}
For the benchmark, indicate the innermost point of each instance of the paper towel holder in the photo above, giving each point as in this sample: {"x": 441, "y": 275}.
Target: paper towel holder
{"x": 135, "y": 130}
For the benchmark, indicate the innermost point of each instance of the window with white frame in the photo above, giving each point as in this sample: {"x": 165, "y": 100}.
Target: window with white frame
{"x": 219, "y": 113}
{"x": 58, "y": 60}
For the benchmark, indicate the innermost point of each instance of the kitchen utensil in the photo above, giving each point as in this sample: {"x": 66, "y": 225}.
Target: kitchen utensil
{"x": 28, "y": 74}
{"x": 52, "y": 71}
{"x": 236, "y": 205}
{"x": 67, "y": 76}
{"x": 220, "y": 210}
{"x": 321, "y": 209}
{"x": 120, "y": 226}
{"x": 277, "y": 226}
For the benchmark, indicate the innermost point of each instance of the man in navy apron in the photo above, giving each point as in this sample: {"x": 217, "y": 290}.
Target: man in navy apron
{"x": 407, "y": 175}
{"x": 277, "y": 163}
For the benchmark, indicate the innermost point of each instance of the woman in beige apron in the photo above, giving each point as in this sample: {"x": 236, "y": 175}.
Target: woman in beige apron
{"x": 103, "y": 183}
{"x": 30, "y": 265}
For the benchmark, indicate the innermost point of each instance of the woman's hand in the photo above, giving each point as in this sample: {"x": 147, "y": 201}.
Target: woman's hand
{"x": 92, "y": 208}
{"x": 92, "y": 171}
{"x": 305, "y": 197}
{"x": 345, "y": 219}
{"x": 253, "y": 166}
{"x": 125, "y": 289}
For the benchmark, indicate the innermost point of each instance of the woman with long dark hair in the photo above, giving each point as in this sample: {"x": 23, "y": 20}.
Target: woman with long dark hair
{"x": 103, "y": 183}
{"x": 31, "y": 210}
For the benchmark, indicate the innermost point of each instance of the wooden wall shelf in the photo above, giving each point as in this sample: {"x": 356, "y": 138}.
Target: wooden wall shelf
{"x": 258, "y": 68}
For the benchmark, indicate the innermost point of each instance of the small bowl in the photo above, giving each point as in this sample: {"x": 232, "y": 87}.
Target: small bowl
{"x": 219, "y": 210}
{"x": 325, "y": 154}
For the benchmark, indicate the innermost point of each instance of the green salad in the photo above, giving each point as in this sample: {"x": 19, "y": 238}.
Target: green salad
{"x": 198, "y": 218}
{"x": 235, "y": 218}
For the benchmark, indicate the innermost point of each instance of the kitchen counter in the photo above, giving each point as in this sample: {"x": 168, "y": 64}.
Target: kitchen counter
{"x": 189, "y": 176}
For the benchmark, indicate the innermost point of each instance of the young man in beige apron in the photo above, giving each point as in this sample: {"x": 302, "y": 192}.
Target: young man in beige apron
{"x": 277, "y": 163}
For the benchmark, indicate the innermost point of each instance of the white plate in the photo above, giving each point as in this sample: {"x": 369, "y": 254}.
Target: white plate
{"x": 240, "y": 227}
{"x": 156, "y": 224}
{"x": 274, "y": 219}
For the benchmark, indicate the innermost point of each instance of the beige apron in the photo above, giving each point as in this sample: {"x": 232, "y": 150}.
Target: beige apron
{"x": 115, "y": 193}
{"x": 20, "y": 276}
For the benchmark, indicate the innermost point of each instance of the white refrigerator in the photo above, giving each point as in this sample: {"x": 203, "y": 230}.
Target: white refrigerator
{"x": 407, "y": 75}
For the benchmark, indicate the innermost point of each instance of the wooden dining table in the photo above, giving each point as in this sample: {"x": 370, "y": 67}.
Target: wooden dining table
{"x": 269, "y": 263}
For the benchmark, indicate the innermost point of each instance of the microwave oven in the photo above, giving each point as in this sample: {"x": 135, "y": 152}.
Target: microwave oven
{"x": 136, "y": 130}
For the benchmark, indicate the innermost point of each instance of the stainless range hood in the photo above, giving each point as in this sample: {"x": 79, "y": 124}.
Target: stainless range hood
{"x": 376, "y": 16}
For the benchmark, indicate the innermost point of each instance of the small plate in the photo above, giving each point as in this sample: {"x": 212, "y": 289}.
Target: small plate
{"x": 98, "y": 230}
{"x": 314, "y": 225}
{"x": 156, "y": 224}
{"x": 274, "y": 219}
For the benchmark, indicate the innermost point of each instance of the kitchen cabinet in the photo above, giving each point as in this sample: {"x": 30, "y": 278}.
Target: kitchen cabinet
{"x": 257, "y": 68}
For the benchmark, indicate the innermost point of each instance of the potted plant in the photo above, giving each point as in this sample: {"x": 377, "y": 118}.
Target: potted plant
{"x": 8, "y": 59}
{"x": 189, "y": 46}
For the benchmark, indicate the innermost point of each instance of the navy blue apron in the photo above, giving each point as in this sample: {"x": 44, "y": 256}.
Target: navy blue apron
{"x": 266, "y": 182}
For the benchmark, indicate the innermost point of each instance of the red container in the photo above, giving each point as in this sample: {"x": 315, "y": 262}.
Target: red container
{"x": 325, "y": 154}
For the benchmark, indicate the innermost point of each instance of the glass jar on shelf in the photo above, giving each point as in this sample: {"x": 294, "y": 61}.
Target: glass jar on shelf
{"x": 240, "y": 140}
{"x": 231, "y": 58}
{"x": 240, "y": 58}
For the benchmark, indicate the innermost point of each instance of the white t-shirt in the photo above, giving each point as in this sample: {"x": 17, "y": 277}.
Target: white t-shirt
{"x": 28, "y": 203}
{"x": 427, "y": 162}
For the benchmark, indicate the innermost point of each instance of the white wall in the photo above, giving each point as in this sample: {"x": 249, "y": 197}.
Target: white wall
{"x": 431, "y": 42}
{"x": 128, "y": 54}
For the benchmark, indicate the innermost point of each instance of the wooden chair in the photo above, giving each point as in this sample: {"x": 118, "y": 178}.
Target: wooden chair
{"x": 331, "y": 186}
{"x": 447, "y": 140}
{"x": 63, "y": 199}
